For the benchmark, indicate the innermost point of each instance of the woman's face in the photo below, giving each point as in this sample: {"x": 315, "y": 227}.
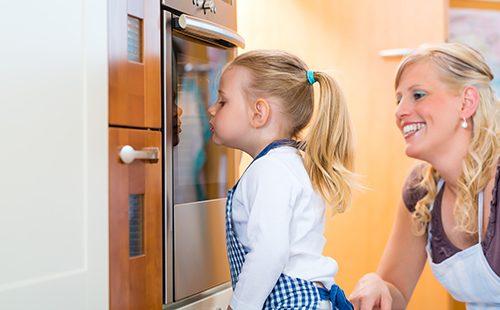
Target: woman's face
{"x": 428, "y": 112}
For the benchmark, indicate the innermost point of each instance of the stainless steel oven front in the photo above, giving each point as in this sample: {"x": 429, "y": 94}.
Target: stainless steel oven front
{"x": 198, "y": 40}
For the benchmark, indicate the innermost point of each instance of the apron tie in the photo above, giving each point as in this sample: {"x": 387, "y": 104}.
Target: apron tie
{"x": 336, "y": 296}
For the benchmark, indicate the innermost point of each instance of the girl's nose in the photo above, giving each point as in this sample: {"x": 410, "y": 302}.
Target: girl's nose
{"x": 211, "y": 110}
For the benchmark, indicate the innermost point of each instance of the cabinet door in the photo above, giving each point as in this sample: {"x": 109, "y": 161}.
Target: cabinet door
{"x": 134, "y": 63}
{"x": 135, "y": 221}
{"x": 53, "y": 166}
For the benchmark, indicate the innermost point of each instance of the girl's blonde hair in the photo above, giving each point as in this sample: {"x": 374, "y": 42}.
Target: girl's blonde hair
{"x": 328, "y": 149}
{"x": 460, "y": 66}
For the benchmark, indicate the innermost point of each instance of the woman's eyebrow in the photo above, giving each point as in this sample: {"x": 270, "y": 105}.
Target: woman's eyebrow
{"x": 414, "y": 86}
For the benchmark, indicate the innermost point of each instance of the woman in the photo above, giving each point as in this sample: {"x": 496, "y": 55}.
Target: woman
{"x": 448, "y": 116}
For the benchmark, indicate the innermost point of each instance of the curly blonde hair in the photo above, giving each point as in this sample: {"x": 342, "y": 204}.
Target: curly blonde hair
{"x": 328, "y": 144}
{"x": 460, "y": 66}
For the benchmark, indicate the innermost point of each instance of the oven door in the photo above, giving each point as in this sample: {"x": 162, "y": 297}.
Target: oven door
{"x": 198, "y": 173}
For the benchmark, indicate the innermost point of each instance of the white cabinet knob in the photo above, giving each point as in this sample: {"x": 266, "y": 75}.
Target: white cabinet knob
{"x": 128, "y": 154}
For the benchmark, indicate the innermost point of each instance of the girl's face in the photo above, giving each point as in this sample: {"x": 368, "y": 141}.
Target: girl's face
{"x": 427, "y": 113}
{"x": 230, "y": 118}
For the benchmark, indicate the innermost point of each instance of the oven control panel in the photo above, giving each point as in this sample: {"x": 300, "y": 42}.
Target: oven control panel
{"x": 206, "y": 5}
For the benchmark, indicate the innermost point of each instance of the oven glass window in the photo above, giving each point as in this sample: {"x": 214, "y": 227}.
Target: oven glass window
{"x": 200, "y": 166}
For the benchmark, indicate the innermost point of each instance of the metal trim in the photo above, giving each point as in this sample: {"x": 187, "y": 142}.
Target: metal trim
{"x": 199, "y": 300}
{"x": 209, "y": 30}
{"x": 167, "y": 169}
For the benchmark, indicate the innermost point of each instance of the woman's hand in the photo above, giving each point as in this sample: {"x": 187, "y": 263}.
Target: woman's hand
{"x": 371, "y": 292}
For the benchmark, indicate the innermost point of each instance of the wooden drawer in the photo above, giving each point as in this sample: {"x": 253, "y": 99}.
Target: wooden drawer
{"x": 135, "y": 222}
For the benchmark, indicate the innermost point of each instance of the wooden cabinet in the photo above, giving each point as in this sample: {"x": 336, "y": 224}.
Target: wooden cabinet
{"x": 134, "y": 63}
{"x": 135, "y": 222}
{"x": 135, "y": 189}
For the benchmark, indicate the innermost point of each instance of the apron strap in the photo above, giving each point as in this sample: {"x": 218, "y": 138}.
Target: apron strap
{"x": 269, "y": 147}
{"x": 336, "y": 296}
{"x": 429, "y": 226}
{"x": 439, "y": 186}
{"x": 480, "y": 210}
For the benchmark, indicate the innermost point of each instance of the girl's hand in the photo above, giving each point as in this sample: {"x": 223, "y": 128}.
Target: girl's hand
{"x": 371, "y": 292}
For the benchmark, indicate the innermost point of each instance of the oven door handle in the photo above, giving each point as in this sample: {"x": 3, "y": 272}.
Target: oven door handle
{"x": 206, "y": 29}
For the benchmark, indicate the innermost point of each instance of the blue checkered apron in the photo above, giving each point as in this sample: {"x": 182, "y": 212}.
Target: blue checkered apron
{"x": 288, "y": 293}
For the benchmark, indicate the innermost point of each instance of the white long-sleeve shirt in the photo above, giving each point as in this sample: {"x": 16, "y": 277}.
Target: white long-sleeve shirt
{"x": 279, "y": 219}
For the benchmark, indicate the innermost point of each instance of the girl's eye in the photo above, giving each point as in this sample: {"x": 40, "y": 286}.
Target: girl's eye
{"x": 418, "y": 94}
{"x": 398, "y": 100}
{"x": 222, "y": 103}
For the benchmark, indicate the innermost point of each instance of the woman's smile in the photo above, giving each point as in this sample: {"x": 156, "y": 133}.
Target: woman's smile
{"x": 412, "y": 128}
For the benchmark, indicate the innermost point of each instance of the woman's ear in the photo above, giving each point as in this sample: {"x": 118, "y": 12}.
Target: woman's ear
{"x": 470, "y": 102}
{"x": 260, "y": 112}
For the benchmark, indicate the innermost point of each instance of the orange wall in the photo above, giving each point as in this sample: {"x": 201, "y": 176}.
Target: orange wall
{"x": 343, "y": 37}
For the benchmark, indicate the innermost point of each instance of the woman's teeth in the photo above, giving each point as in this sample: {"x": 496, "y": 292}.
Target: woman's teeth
{"x": 412, "y": 128}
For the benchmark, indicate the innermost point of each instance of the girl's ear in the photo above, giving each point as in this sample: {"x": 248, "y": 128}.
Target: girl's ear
{"x": 470, "y": 102}
{"x": 260, "y": 112}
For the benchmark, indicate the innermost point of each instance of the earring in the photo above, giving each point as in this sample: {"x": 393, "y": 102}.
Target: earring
{"x": 464, "y": 123}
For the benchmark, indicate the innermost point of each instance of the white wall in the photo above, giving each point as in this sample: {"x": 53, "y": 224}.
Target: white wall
{"x": 53, "y": 155}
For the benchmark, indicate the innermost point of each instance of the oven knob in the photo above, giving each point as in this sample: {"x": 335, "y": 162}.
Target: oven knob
{"x": 209, "y": 5}
{"x": 198, "y": 2}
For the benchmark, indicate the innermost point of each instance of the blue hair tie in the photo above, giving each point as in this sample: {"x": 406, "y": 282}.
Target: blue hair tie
{"x": 310, "y": 77}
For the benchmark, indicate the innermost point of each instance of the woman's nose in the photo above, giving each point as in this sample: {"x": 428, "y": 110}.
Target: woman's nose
{"x": 402, "y": 109}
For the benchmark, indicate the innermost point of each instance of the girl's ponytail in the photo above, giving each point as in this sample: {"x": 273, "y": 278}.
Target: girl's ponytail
{"x": 328, "y": 146}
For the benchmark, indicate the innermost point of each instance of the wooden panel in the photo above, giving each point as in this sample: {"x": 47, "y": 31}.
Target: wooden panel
{"x": 134, "y": 87}
{"x": 475, "y": 4}
{"x": 135, "y": 282}
{"x": 347, "y": 38}
{"x": 152, "y": 61}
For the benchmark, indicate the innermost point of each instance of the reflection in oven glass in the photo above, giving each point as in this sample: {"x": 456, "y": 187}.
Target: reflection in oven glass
{"x": 200, "y": 167}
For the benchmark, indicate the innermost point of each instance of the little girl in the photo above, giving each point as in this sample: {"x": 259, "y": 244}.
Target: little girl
{"x": 275, "y": 213}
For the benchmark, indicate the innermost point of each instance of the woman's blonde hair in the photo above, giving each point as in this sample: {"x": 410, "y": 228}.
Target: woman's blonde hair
{"x": 459, "y": 66}
{"x": 328, "y": 149}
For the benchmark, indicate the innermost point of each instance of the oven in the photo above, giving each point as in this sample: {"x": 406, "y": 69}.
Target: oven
{"x": 198, "y": 40}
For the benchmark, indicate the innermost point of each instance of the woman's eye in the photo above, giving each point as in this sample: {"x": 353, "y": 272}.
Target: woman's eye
{"x": 418, "y": 95}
